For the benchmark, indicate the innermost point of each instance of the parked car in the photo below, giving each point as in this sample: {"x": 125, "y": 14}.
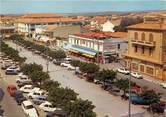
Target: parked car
{"x": 21, "y": 84}
{"x": 57, "y": 113}
{"x": 123, "y": 71}
{"x": 163, "y": 85}
{"x": 67, "y": 59}
{"x": 70, "y": 67}
{"x": 11, "y": 89}
{"x": 19, "y": 97}
{"x": 26, "y": 88}
{"x": 10, "y": 71}
{"x": 157, "y": 107}
{"x": 136, "y": 75}
{"x": 39, "y": 99}
{"x": 15, "y": 67}
{"x": 136, "y": 100}
{"x": 56, "y": 62}
{"x": 34, "y": 94}
{"x": 29, "y": 109}
{"x": 48, "y": 107}
{"x": 64, "y": 64}
{"x": 23, "y": 79}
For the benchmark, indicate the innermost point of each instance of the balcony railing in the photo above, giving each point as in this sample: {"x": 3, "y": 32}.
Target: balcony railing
{"x": 143, "y": 43}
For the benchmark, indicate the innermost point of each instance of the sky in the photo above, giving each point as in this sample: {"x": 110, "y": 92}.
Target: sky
{"x": 77, "y": 6}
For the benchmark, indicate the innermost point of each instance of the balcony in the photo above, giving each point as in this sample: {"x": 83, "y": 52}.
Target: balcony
{"x": 143, "y": 43}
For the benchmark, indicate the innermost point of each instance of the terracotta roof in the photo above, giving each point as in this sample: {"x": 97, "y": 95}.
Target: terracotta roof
{"x": 42, "y": 15}
{"x": 100, "y": 19}
{"x": 150, "y": 26}
{"x": 47, "y": 20}
{"x": 103, "y": 35}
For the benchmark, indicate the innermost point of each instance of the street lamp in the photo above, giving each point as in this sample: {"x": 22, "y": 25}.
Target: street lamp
{"x": 47, "y": 61}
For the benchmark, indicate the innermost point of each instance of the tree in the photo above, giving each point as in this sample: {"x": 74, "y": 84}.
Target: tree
{"x": 76, "y": 63}
{"x": 27, "y": 69}
{"x": 106, "y": 75}
{"x": 123, "y": 84}
{"x": 48, "y": 85}
{"x": 81, "y": 108}
{"x": 39, "y": 77}
{"x": 61, "y": 97}
{"x": 151, "y": 96}
{"x": 89, "y": 68}
{"x": 60, "y": 54}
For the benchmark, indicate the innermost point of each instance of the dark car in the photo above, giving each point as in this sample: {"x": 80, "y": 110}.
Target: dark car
{"x": 57, "y": 62}
{"x": 136, "y": 100}
{"x": 19, "y": 97}
{"x": 57, "y": 113}
{"x": 39, "y": 99}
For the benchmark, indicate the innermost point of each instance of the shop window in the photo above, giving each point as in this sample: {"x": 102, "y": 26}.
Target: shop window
{"x": 150, "y": 37}
{"x": 134, "y": 66}
{"x": 142, "y": 68}
{"x": 136, "y": 35}
{"x": 143, "y": 37}
{"x": 149, "y": 70}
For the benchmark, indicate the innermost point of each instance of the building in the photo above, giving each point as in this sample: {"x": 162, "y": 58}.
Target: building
{"x": 58, "y": 35}
{"x": 6, "y": 31}
{"x": 147, "y": 47}
{"x": 97, "y": 46}
{"x": 27, "y": 24}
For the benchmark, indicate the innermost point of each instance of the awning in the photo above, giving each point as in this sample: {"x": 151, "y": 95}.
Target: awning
{"x": 87, "y": 55}
{"x": 82, "y": 50}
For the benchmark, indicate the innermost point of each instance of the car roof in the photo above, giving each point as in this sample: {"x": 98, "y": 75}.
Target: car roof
{"x": 28, "y": 86}
{"x": 40, "y": 97}
{"x": 11, "y": 85}
{"x": 27, "y": 102}
{"x": 18, "y": 92}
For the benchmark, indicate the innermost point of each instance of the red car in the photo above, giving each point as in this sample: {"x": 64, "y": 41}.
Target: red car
{"x": 11, "y": 89}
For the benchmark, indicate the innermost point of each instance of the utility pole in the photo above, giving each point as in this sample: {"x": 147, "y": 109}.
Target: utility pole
{"x": 130, "y": 90}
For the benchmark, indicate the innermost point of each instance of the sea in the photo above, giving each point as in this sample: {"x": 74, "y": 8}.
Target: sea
{"x": 79, "y": 6}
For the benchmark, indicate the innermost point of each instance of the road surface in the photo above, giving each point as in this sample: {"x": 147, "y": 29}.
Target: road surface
{"x": 105, "y": 103}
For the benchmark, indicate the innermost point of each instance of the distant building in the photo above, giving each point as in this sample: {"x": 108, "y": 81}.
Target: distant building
{"x": 58, "y": 35}
{"x": 147, "y": 47}
{"x": 101, "y": 47}
{"x": 6, "y": 32}
{"x": 27, "y": 24}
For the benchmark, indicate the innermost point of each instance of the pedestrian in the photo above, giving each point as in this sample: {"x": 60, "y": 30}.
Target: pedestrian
{"x": 1, "y": 94}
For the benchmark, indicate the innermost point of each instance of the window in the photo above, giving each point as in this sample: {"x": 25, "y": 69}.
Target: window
{"x": 118, "y": 46}
{"x": 142, "y": 68}
{"x": 150, "y": 51}
{"x": 143, "y": 37}
{"x": 149, "y": 70}
{"x": 143, "y": 49}
{"x": 136, "y": 35}
{"x": 150, "y": 37}
{"x": 136, "y": 48}
{"x": 134, "y": 66}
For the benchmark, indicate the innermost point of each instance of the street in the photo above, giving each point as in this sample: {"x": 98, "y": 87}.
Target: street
{"x": 105, "y": 103}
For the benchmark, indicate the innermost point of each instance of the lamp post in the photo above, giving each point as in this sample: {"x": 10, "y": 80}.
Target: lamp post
{"x": 47, "y": 61}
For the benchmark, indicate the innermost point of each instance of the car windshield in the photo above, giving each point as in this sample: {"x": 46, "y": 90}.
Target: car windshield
{"x": 29, "y": 107}
{"x": 19, "y": 95}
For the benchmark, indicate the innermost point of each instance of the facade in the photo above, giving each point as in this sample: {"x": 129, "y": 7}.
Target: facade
{"x": 28, "y": 25}
{"x": 6, "y": 32}
{"x": 101, "y": 47}
{"x": 147, "y": 47}
{"x": 108, "y": 27}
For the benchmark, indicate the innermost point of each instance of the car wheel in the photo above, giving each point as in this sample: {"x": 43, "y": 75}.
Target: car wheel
{"x": 30, "y": 97}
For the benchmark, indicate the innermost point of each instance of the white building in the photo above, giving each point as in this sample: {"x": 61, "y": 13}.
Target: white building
{"x": 100, "y": 46}
{"x": 108, "y": 27}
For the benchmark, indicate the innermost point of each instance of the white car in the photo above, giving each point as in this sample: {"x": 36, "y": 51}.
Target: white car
{"x": 64, "y": 64}
{"x": 136, "y": 75}
{"x": 123, "y": 71}
{"x": 163, "y": 85}
{"x": 29, "y": 109}
{"x": 68, "y": 59}
{"x": 70, "y": 67}
{"x": 22, "y": 79}
{"x": 48, "y": 107}
{"x": 35, "y": 94}
{"x": 26, "y": 89}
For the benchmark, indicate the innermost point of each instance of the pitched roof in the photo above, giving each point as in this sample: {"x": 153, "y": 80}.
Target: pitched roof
{"x": 47, "y": 20}
{"x": 148, "y": 26}
{"x": 103, "y": 35}
{"x": 41, "y": 15}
